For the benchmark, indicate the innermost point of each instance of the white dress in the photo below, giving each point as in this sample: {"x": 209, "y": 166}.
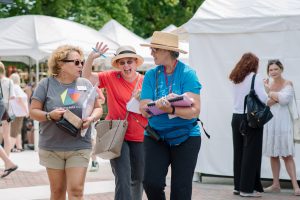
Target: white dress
{"x": 278, "y": 132}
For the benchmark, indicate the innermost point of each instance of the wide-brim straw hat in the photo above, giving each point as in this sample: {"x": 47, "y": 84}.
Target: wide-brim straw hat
{"x": 126, "y": 52}
{"x": 163, "y": 40}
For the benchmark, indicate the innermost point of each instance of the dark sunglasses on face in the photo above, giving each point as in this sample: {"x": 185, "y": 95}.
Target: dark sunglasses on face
{"x": 154, "y": 49}
{"x": 129, "y": 62}
{"x": 76, "y": 62}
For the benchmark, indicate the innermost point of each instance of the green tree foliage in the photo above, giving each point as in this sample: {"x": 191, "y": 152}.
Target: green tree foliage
{"x": 140, "y": 16}
{"x": 157, "y": 14}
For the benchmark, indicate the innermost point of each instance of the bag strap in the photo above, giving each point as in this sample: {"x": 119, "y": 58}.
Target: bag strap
{"x": 1, "y": 91}
{"x": 8, "y": 93}
{"x": 137, "y": 82}
{"x": 134, "y": 89}
{"x": 47, "y": 87}
{"x": 252, "y": 82}
{"x": 202, "y": 124}
{"x": 252, "y": 91}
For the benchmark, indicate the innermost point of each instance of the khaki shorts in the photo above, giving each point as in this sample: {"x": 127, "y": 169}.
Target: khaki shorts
{"x": 64, "y": 159}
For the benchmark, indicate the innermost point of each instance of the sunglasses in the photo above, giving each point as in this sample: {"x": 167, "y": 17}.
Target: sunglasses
{"x": 129, "y": 62}
{"x": 154, "y": 50}
{"x": 76, "y": 62}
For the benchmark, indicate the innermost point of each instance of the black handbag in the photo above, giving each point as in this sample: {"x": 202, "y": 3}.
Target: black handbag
{"x": 258, "y": 113}
{"x": 70, "y": 123}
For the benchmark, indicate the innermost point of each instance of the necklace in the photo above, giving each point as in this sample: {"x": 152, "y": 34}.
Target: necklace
{"x": 172, "y": 77}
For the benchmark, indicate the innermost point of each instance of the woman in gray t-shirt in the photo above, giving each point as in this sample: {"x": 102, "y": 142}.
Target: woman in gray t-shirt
{"x": 65, "y": 157}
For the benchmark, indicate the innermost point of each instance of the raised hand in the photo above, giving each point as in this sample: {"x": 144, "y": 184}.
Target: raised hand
{"x": 99, "y": 50}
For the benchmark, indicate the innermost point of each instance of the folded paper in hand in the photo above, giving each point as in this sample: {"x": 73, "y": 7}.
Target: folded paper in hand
{"x": 180, "y": 101}
{"x": 133, "y": 105}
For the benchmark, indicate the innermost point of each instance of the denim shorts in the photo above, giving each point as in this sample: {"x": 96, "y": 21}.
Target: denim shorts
{"x": 64, "y": 159}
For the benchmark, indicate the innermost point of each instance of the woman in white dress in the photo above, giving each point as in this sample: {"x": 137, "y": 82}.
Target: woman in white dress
{"x": 278, "y": 132}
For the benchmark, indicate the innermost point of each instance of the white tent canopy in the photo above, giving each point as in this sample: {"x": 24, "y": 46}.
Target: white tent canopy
{"x": 122, "y": 36}
{"x": 37, "y": 36}
{"x": 219, "y": 33}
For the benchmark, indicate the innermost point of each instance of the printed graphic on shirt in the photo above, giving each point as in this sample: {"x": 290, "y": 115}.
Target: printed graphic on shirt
{"x": 69, "y": 96}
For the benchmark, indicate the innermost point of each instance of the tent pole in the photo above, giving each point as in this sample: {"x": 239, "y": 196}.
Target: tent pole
{"x": 36, "y": 123}
{"x": 29, "y": 70}
{"x": 37, "y": 71}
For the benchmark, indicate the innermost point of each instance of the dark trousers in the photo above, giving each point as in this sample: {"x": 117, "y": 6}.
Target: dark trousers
{"x": 129, "y": 171}
{"x": 182, "y": 158}
{"x": 247, "y": 153}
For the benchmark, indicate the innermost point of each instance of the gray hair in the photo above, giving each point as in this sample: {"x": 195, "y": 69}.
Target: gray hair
{"x": 174, "y": 54}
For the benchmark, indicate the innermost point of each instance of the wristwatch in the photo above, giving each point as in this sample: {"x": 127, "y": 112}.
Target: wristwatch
{"x": 48, "y": 117}
{"x": 173, "y": 110}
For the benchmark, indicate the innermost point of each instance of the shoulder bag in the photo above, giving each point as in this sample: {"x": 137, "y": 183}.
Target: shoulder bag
{"x": 110, "y": 135}
{"x": 258, "y": 113}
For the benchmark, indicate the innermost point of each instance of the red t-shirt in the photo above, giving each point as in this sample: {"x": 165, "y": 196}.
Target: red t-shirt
{"x": 119, "y": 92}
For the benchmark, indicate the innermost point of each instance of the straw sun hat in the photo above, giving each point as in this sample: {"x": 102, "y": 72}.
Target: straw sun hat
{"x": 163, "y": 40}
{"x": 126, "y": 52}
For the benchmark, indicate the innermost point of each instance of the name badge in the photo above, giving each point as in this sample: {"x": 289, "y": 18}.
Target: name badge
{"x": 81, "y": 87}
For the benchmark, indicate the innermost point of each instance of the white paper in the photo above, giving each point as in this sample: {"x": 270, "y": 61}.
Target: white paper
{"x": 133, "y": 105}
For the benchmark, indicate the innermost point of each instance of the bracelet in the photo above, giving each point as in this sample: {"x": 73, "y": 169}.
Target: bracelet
{"x": 173, "y": 110}
{"x": 48, "y": 117}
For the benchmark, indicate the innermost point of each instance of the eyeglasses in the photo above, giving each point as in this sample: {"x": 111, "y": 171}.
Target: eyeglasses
{"x": 129, "y": 62}
{"x": 76, "y": 62}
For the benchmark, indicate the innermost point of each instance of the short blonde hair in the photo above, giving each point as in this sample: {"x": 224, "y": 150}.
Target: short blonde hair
{"x": 15, "y": 78}
{"x": 2, "y": 68}
{"x": 59, "y": 54}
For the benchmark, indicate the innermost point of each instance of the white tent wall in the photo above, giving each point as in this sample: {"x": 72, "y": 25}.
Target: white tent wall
{"x": 214, "y": 51}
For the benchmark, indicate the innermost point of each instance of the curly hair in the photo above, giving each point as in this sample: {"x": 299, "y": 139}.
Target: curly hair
{"x": 247, "y": 64}
{"x": 59, "y": 54}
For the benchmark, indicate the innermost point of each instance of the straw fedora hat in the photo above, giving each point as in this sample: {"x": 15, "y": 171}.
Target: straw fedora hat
{"x": 163, "y": 40}
{"x": 126, "y": 52}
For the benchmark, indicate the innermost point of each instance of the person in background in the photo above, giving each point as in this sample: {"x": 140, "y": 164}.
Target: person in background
{"x": 7, "y": 89}
{"x": 246, "y": 155}
{"x": 9, "y": 165}
{"x": 29, "y": 128}
{"x": 66, "y": 157}
{"x": 22, "y": 101}
{"x": 170, "y": 78}
{"x": 120, "y": 86}
{"x": 278, "y": 138}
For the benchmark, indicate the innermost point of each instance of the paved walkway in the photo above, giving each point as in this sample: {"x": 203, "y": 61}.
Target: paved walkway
{"x": 30, "y": 182}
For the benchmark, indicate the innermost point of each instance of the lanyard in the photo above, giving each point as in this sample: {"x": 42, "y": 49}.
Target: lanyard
{"x": 172, "y": 78}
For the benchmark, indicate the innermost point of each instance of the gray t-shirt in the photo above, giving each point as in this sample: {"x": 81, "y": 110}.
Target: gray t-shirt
{"x": 69, "y": 96}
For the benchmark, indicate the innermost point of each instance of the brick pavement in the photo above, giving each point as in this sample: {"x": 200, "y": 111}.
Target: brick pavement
{"x": 212, "y": 188}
